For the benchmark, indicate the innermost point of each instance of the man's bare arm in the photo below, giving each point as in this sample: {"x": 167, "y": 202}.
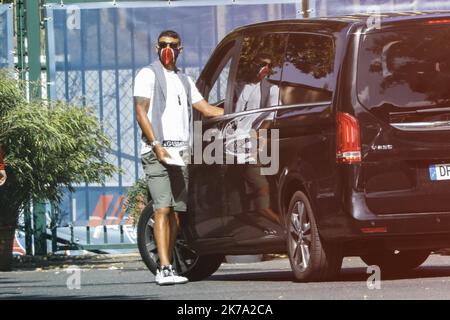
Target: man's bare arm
{"x": 207, "y": 110}
{"x": 142, "y": 107}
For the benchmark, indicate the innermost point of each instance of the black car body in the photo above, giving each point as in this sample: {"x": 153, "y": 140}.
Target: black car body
{"x": 363, "y": 129}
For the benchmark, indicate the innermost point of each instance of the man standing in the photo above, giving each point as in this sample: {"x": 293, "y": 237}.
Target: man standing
{"x": 164, "y": 98}
{"x": 2, "y": 168}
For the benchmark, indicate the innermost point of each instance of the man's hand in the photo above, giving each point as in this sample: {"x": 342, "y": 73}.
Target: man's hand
{"x": 161, "y": 153}
{"x": 207, "y": 110}
{"x": 2, "y": 177}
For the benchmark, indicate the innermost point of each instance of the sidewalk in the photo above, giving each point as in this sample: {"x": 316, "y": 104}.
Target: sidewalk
{"x": 129, "y": 261}
{"x": 87, "y": 261}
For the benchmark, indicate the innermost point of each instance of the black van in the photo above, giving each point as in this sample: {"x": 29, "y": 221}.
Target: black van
{"x": 356, "y": 119}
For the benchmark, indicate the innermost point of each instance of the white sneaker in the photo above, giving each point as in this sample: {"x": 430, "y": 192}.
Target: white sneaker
{"x": 178, "y": 279}
{"x": 164, "y": 277}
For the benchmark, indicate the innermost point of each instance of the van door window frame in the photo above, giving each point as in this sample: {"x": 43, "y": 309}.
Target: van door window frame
{"x": 231, "y": 55}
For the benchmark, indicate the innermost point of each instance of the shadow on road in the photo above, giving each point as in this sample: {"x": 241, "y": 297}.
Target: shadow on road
{"x": 346, "y": 275}
{"x": 28, "y": 284}
{"x": 76, "y": 297}
{"x": 254, "y": 276}
{"x": 4, "y": 282}
{"x": 359, "y": 274}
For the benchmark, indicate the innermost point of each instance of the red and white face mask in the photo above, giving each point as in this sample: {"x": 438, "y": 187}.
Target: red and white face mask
{"x": 168, "y": 55}
{"x": 263, "y": 72}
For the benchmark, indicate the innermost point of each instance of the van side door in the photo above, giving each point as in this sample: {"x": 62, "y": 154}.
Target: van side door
{"x": 206, "y": 191}
{"x": 251, "y": 212}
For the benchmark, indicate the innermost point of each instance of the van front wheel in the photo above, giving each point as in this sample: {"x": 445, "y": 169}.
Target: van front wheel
{"x": 186, "y": 261}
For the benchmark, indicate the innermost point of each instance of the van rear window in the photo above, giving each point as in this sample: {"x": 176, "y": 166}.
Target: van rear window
{"x": 405, "y": 70}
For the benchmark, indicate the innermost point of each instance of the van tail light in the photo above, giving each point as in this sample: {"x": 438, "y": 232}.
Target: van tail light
{"x": 348, "y": 144}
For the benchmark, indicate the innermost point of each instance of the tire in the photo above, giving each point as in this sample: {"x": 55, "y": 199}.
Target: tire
{"x": 394, "y": 262}
{"x": 310, "y": 257}
{"x": 186, "y": 261}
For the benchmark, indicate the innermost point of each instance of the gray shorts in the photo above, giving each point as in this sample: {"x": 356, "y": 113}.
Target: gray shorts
{"x": 167, "y": 183}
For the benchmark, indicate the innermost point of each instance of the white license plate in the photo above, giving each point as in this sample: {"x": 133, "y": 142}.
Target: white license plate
{"x": 439, "y": 172}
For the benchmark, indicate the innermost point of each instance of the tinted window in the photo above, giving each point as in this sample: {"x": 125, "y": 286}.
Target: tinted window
{"x": 219, "y": 89}
{"x": 405, "y": 70}
{"x": 308, "y": 69}
{"x": 217, "y": 77}
{"x": 259, "y": 72}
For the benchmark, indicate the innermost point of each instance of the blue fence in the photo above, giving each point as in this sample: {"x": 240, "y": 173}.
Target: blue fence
{"x": 7, "y": 36}
{"x": 320, "y": 8}
{"x": 94, "y": 51}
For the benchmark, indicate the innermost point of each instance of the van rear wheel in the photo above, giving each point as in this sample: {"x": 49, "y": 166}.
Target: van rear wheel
{"x": 310, "y": 257}
{"x": 394, "y": 261}
{"x": 186, "y": 261}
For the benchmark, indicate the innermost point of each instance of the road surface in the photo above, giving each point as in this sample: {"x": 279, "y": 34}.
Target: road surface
{"x": 268, "y": 280}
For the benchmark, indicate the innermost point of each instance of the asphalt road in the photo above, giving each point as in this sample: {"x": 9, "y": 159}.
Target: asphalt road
{"x": 269, "y": 280}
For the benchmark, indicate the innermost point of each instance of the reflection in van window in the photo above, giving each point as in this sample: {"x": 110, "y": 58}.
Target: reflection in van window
{"x": 259, "y": 72}
{"x": 403, "y": 71}
{"x": 308, "y": 69}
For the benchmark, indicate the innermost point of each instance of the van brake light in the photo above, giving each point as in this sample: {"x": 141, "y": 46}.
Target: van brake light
{"x": 348, "y": 142}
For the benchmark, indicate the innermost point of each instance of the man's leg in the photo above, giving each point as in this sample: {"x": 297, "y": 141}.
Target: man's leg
{"x": 174, "y": 228}
{"x": 162, "y": 233}
{"x": 178, "y": 183}
{"x": 160, "y": 191}
{"x": 166, "y": 229}
{"x": 165, "y": 221}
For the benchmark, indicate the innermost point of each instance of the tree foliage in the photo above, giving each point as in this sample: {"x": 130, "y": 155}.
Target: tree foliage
{"x": 47, "y": 147}
{"x": 138, "y": 197}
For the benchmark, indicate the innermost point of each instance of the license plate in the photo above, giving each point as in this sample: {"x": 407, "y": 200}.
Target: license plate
{"x": 439, "y": 172}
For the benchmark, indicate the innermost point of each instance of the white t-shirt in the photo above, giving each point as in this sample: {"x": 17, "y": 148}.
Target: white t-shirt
{"x": 250, "y": 97}
{"x": 175, "y": 118}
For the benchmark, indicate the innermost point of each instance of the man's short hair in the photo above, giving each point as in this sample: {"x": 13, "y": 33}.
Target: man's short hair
{"x": 169, "y": 33}
{"x": 263, "y": 55}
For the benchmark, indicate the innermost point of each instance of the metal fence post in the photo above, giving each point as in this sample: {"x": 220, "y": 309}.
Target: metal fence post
{"x": 28, "y": 231}
{"x": 53, "y": 228}
{"x": 20, "y": 27}
{"x": 21, "y": 66}
{"x": 305, "y": 8}
{"x": 33, "y": 29}
{"x": 40, "y": 229}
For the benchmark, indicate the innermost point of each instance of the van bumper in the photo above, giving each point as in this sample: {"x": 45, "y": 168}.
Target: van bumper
{"x": 358, "y": 226}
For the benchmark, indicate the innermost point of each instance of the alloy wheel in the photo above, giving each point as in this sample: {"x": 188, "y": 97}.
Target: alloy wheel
{"x": 300, "y": 231}
{"x": 184, "y": 258}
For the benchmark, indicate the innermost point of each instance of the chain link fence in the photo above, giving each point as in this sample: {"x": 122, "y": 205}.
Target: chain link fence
{"x": 7, "y": 36}
{"x": 96, "y": 49}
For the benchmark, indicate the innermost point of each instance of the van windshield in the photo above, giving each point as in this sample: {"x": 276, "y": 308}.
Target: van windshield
{"x": 405, "y": 70}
